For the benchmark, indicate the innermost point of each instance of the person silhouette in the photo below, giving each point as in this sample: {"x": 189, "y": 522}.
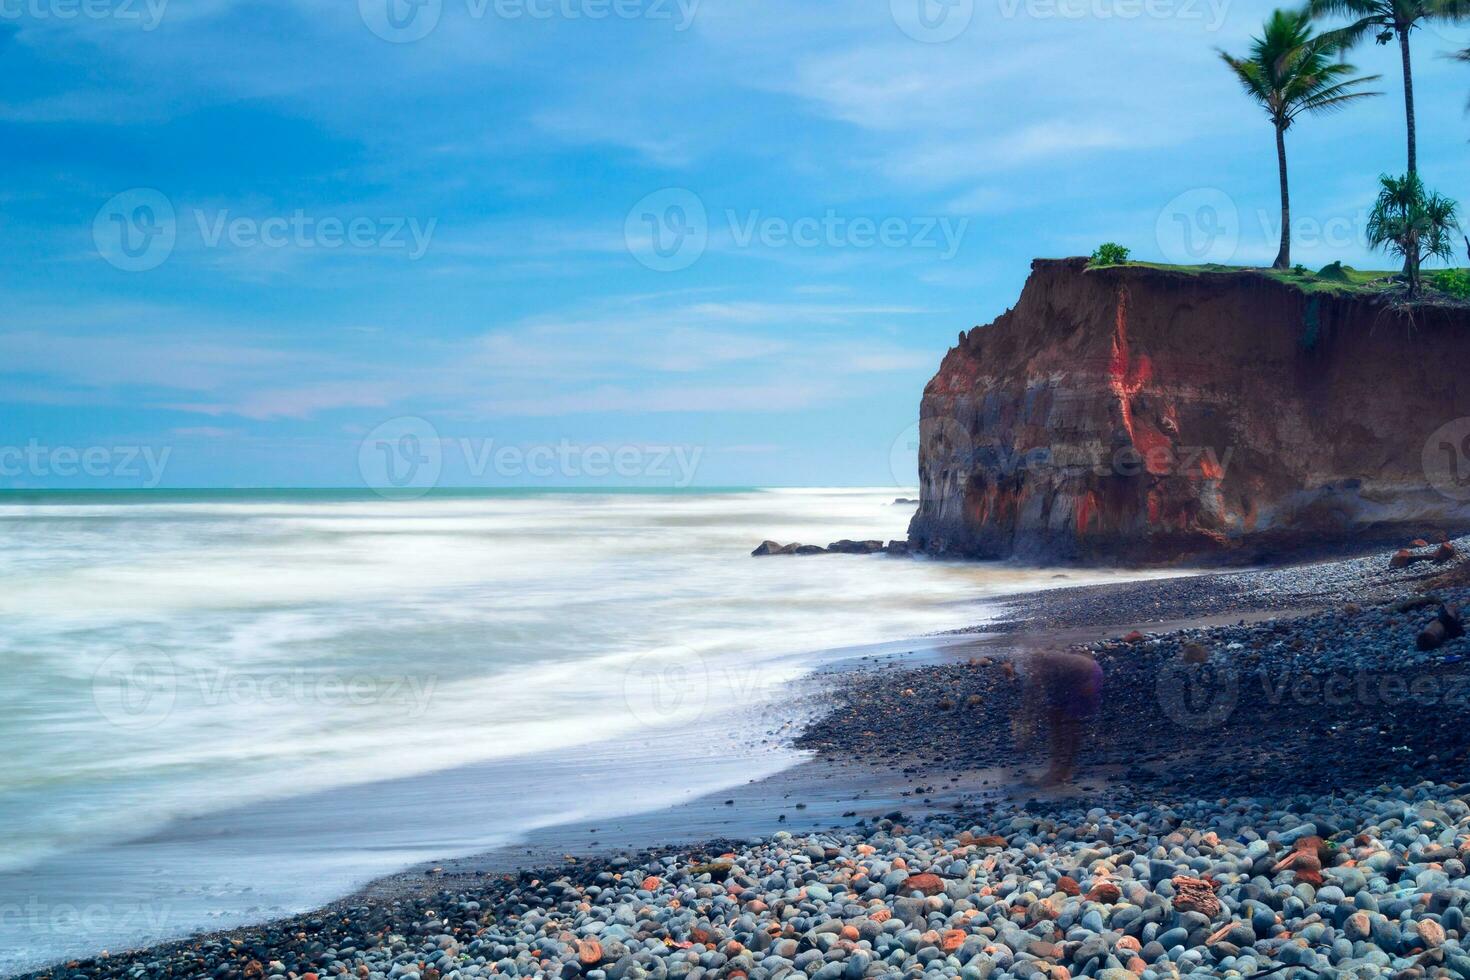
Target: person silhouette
{"x": 1062, "y": 690}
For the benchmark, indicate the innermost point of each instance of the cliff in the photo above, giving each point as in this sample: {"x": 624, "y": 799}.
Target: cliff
{"x": 1144, "y": 415}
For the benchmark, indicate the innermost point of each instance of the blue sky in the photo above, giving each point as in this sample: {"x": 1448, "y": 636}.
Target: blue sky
{"x": 349, "y": 234}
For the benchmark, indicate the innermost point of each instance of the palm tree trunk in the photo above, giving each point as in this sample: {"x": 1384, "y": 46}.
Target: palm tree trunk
{"x": 1283, "y": 256}
{"x": 1403, "y": 33}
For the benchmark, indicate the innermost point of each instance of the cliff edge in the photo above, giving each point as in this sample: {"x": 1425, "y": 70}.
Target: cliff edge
{"x": 1142, "y": 414}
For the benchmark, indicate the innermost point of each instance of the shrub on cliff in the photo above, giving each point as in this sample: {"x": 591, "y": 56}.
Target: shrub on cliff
{"x": 1108, "y": 253}
{"x": 1412, "y": 223}
{"x": 1456, "y": 282}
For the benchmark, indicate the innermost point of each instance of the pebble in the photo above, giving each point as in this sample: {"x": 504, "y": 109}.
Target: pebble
{"x": 998, "y": 914}
{"x": 1120, "y": 884}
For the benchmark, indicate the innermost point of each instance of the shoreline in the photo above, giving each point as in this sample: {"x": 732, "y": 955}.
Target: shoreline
{"x": 832, "y": 792}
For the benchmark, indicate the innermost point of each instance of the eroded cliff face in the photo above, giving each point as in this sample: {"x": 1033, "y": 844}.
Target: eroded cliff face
{"x": 1129, "y": 414}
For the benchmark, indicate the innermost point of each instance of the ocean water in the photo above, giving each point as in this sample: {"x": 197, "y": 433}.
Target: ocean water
{"x": 311, "y": 659}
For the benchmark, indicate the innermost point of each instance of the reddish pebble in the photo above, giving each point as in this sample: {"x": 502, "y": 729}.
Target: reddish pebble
{"x": 924, "y": 883}
{"x": 589, "y": 951}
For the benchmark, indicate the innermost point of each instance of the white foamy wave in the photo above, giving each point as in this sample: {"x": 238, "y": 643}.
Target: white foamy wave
{"x": 180, "y": 656}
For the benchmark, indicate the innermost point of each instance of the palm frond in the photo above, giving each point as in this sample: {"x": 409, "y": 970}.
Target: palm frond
{"x": 1290, "y": 71}
{"x": 1342, "y": 38}
{"x": 1249, "y": 75}
{"x": 1449, "y": 10}
{"x": 1336, "y": 97}
{"x": 1349, "y": 8}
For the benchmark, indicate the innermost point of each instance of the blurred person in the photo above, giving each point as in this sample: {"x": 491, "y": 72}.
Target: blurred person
{"x": 1061, "y": 692}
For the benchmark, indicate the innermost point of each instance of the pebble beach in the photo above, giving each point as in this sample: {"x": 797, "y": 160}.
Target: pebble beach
{"x": 1282, "y": 795}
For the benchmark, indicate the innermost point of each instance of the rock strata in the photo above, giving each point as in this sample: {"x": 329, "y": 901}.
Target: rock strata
{"x": 1138, "y": 414}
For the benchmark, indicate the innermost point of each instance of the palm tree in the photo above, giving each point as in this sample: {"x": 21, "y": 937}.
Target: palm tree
{"x": 1412, "y": 223}
{"x": 1464, "y": 55}
{"x": 1290, "y": 71}
{"x": 1386, "y": 20}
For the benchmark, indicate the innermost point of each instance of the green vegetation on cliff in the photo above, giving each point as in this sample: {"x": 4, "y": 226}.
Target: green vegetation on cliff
{"x": 1334, "y": 279}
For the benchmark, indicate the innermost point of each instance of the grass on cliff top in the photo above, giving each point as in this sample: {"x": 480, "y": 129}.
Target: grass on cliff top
{"x": 1334, "y": 279}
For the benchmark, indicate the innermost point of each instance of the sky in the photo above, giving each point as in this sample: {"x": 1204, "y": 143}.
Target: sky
{"x": 413, "y": 243}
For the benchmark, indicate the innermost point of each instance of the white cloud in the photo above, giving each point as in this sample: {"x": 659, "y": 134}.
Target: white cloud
{"x": 649, "y": 353}
{"x": 303, "y": 402}
{"x": 796, "y": 393}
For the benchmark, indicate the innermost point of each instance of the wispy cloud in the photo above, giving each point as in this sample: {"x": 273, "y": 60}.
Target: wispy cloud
{"x": 529, "y": 142}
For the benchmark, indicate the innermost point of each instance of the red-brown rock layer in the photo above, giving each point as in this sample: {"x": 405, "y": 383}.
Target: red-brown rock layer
{"x": 1137, "y": 414}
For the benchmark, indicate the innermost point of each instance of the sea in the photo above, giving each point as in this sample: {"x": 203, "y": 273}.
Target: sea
{"x": 224, "y": 706}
